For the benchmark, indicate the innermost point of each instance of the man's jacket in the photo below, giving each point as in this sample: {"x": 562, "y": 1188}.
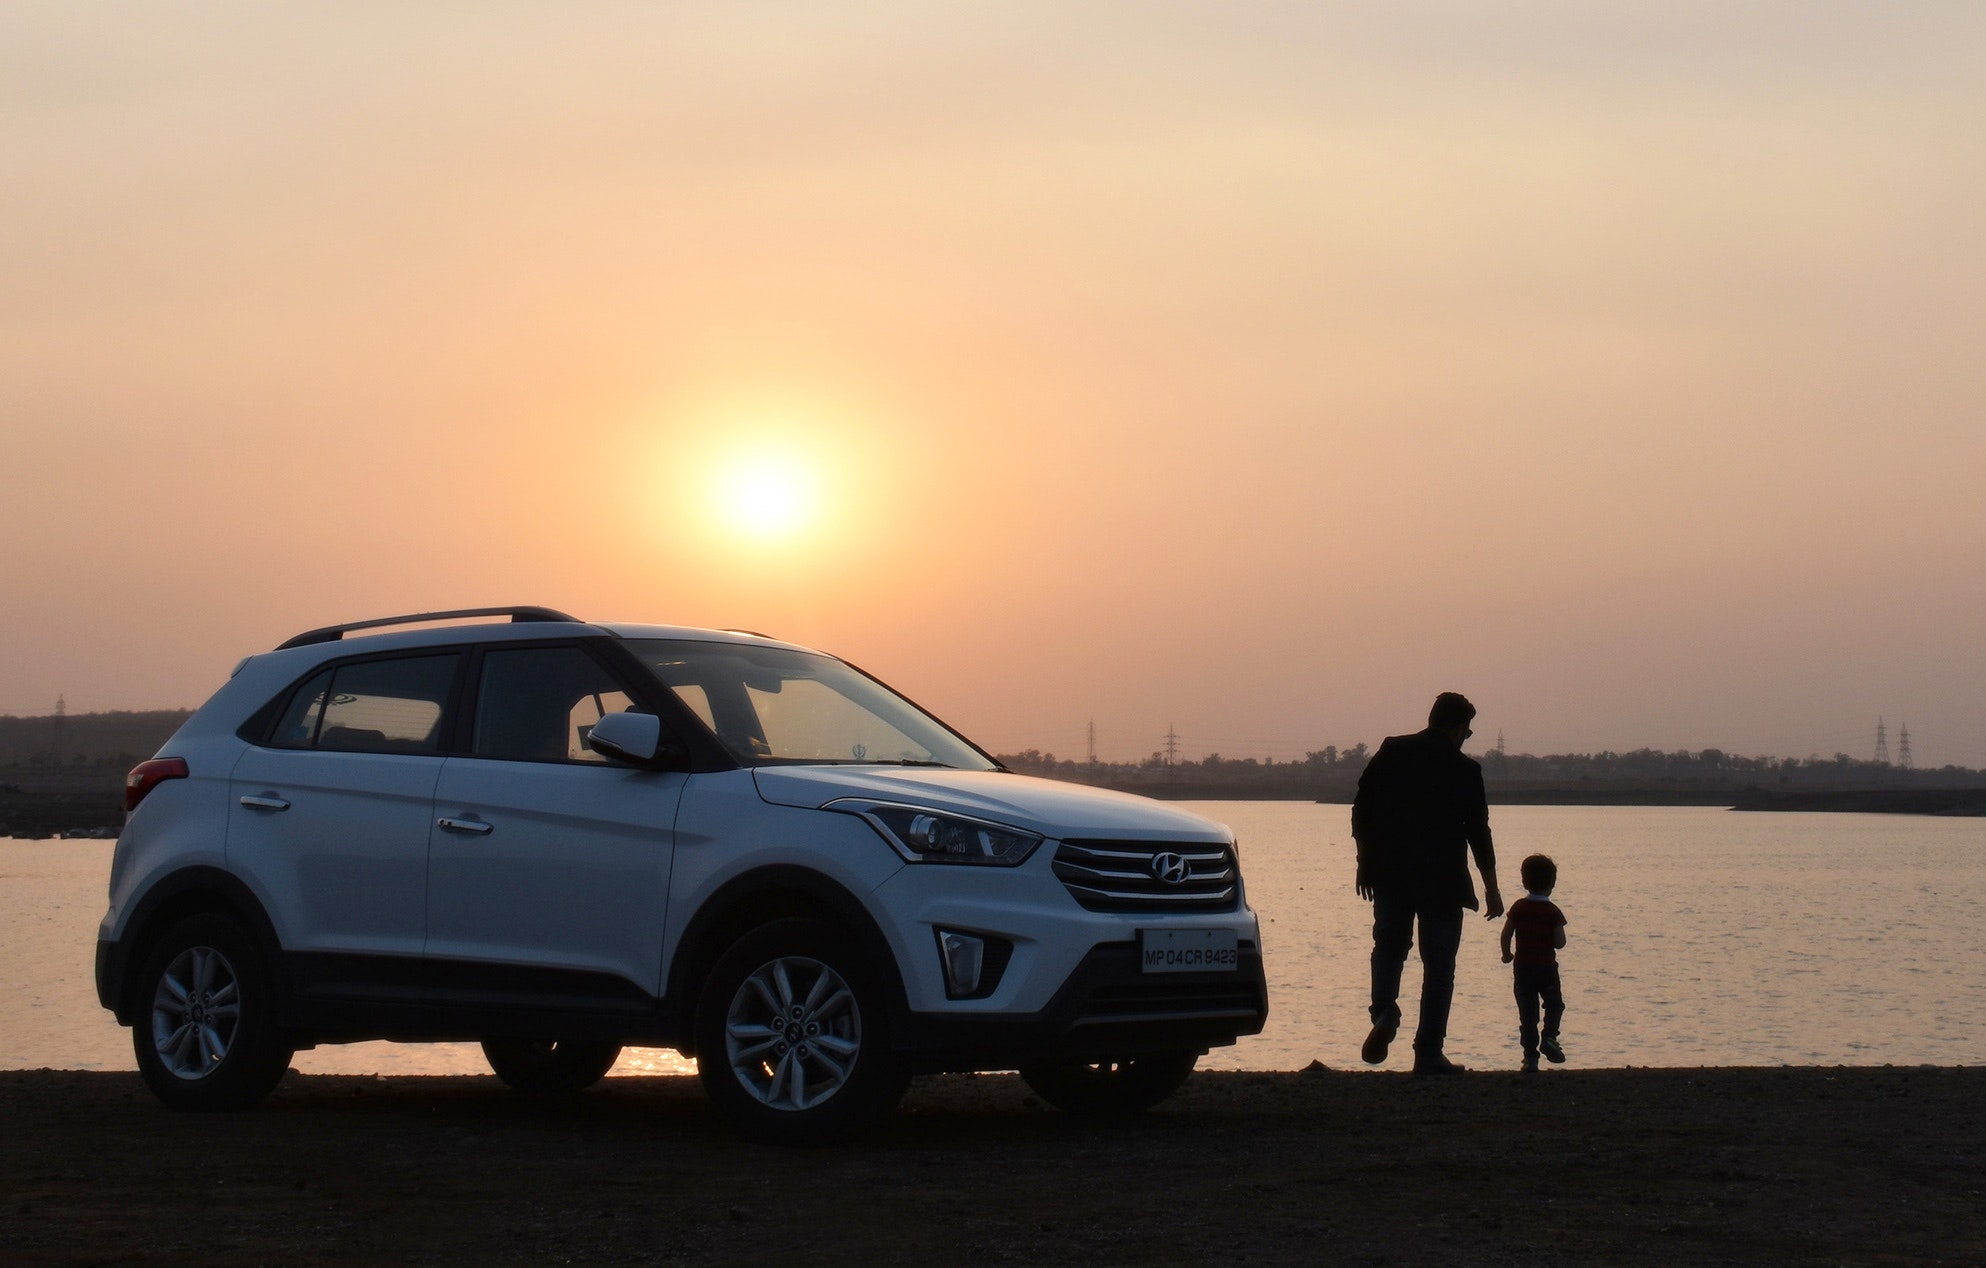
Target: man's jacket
{"x": 1420, "y": 810}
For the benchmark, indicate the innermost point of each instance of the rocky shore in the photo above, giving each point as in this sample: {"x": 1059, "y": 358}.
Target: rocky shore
{"x": 1728, "y": 1166}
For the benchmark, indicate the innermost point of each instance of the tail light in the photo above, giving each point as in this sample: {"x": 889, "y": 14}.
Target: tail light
{"x": 146, "y": 776}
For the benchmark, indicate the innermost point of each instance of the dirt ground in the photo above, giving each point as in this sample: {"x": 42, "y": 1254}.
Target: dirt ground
{"x": 1840, "y": 1166}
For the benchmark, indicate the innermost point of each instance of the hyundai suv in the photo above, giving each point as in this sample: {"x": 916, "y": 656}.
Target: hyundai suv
{"x": 560, "y": 838}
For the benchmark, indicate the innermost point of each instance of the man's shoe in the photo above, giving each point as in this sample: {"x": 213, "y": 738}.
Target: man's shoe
{"x": 1530, "y": 1063}
{"x": 1376, "y": 1042}
{"x": 1436, "y": 1064}
{"x": 1553, "y": 1053}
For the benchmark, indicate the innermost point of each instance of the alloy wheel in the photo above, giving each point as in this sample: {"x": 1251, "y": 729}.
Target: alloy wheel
{"x": 196, "y": 1011}
{"x": 793, "y": 1033}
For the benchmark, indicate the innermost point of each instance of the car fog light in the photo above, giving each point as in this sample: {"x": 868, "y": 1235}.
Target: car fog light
{"x": 963, "y": 955}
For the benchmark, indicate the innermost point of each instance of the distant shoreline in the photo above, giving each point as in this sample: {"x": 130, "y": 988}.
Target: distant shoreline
{"x": 1939, "y": 802}
{"x": 92, "y": 806}
{"x": 1945, "y": 802}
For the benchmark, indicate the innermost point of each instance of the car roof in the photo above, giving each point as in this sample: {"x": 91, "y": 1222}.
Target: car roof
{"x": 688, "y": 633}
{"x": 361, "y": 642}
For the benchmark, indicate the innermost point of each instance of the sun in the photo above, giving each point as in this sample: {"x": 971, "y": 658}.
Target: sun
{"x": 767, "y": 494}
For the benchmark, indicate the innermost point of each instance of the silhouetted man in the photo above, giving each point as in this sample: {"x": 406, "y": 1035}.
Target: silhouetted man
{"x": 1419, "y": 812}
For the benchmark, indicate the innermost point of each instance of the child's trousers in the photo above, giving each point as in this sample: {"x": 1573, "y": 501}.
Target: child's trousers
{"x": 1535, "y": 983}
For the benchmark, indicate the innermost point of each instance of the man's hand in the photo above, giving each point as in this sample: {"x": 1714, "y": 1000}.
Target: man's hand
{"x": 1492, "y": 902}
{"x": 1363, "y": 884}
{"x": 1508, "y": 957}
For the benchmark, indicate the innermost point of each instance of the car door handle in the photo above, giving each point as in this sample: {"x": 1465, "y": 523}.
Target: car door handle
{"x": 476, "y": 826}
{"x": 265, "y": 803}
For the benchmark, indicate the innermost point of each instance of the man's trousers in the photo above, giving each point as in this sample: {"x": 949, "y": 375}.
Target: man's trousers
{"x": 1393, "y": 919}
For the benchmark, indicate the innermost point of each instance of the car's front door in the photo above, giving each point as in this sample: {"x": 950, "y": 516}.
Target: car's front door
{"x": 545, "y": 856}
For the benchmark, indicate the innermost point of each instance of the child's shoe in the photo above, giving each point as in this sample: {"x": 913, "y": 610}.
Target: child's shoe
{"x": 1530, "y": 1063}
{"x": 1553, "y": 1053}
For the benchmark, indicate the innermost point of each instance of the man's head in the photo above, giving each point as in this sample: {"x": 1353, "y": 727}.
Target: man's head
{"x": 1451, "y": 715}
{"x": 1540, "y": 874}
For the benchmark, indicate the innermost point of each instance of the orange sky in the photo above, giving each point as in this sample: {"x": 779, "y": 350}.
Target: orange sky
{"x": 1255, "y": 369}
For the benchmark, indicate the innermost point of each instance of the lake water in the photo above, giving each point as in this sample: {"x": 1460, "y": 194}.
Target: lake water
{"x": 1696, "y": 937}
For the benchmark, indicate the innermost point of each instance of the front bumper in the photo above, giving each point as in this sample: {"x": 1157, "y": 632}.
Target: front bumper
{"x": 1107, "y": 1010}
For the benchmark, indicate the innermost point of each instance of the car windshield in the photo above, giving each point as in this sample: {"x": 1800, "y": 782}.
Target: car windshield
{"x": 773, "y": 704}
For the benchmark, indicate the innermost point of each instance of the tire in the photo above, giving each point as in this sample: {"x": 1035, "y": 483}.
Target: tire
{"x": 793, "y": 1036}
{"x": 550, "y": 1068}
{"x": 1100, "y": 1089}
{"x": 205, "y": 1035}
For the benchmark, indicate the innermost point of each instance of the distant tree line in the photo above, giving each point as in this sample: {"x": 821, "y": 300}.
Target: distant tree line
{"x": 111, "y": 743}
{"x": 120, "y": 739}
{"x": 1705, "y": 775}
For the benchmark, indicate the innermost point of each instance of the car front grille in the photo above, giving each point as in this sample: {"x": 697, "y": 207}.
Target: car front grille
{"x": 1155, "y": 876}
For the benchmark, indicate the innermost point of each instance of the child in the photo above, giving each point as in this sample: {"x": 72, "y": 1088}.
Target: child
{"x": 1538, "y": 927}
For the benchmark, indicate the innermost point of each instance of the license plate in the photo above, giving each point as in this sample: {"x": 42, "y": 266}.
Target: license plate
{"x": 1188, "y": 951}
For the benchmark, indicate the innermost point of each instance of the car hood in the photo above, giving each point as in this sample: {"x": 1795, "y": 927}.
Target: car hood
{"x": 1047, "y": 806}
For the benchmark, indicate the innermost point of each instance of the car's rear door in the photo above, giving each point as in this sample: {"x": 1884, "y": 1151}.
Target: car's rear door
{"x": 329, "y": 816}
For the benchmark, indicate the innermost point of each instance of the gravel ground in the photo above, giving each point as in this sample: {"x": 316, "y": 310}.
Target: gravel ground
{"x": 1727, "y": 1166}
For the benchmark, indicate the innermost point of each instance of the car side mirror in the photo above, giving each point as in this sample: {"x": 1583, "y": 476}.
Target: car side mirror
{"x": 637, "y": 739}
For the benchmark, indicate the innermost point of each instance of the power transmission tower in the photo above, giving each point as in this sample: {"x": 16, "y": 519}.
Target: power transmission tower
{"x": 1171, "y": 747}
{"x": 1903, "y": 747}
{"x": 61, "y": 728}
{"x": 1499, "y": 742}
{"x": 1092, "y": 746}
{"x": 1882, "y": 744}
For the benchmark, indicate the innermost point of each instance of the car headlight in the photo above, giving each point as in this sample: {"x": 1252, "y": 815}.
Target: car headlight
{"x": 932, "y": 836}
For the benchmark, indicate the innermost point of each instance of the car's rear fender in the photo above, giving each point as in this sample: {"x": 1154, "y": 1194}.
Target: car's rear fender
{"x": 184, "y": 892}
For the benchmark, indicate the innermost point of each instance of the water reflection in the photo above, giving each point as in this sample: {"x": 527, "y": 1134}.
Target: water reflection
{"x": 1697, "y": 937}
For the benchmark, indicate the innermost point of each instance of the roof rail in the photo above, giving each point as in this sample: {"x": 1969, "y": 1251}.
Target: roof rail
{"x": 754, "y": 633}
{"x": 332, "y": 633}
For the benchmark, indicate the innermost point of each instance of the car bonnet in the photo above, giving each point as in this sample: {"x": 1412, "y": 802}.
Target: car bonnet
{"x": 1045, "y": 806}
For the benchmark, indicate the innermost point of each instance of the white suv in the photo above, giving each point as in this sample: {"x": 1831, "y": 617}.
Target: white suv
{"x": 560, "y": 838}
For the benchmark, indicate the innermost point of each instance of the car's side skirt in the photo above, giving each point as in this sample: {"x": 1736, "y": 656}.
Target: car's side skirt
{"x": 340, "y": 998}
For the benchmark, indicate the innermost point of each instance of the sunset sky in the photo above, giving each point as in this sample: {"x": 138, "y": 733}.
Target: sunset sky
{"x": 1254, "y": 369}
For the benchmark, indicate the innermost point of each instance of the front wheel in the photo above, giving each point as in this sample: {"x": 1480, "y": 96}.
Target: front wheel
{"x": 1104, "y": 1088}
{"x": 793, "y": 1036}
{"x": 550, "y": 1068}
{"x": 206, "y": 1036}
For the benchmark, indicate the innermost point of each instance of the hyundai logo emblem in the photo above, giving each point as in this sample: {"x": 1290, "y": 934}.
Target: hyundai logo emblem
{"x": 1170, "y": 868}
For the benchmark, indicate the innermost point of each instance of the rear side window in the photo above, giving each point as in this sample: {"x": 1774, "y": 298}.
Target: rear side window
{"x": 539, "y": 704}
{"x": 377, "y": 706}
{"x": 298, "y": 727}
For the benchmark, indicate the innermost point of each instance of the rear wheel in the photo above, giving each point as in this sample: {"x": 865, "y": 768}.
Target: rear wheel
{"x": 793, "y": 1038}
{"x": 548, "y": 1067}
{"x": 1103, "y": 1088}
{"x": 206, "y": 1036}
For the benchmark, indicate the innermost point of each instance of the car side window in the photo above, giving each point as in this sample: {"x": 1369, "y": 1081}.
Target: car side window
{"x": 387, "y": 706}
{"x": 378, "y": 706}
{"x": 298, "y": 726}
{"x": 693, "y": 695}
{"x": 539, "y": 704}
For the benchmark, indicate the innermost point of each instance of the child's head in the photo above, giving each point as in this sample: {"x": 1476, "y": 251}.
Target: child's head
{"x": 1540, "y": 874}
